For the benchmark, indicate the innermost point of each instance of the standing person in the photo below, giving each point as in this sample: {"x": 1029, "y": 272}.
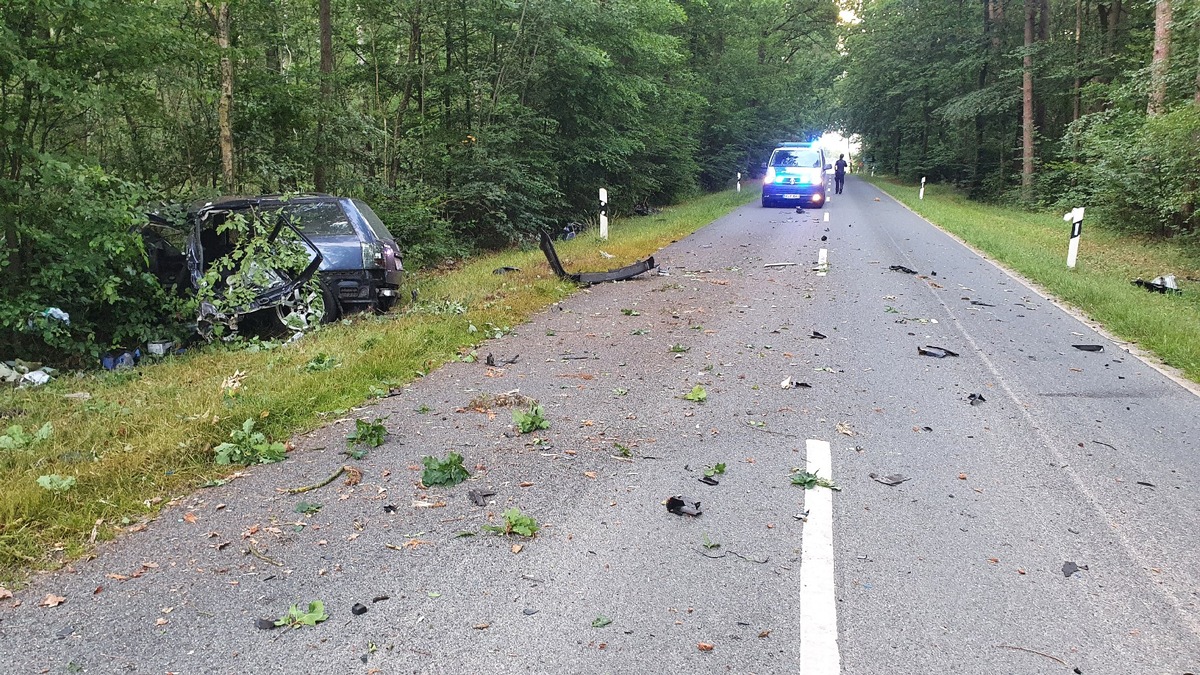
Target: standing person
{"x": 839, "y": 174}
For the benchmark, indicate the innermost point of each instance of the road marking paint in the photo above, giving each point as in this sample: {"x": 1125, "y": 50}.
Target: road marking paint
{"x": 822, "y": 262}
{"x": 827, "y": 216}
{"x": 819, "y": 654}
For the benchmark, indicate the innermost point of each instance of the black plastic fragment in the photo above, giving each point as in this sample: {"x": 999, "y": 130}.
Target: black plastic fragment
{"x": 1163, "y": 284}
{"x": 479, "y": 497}
{"x": 1069, "y": 568}
{"x": 389, "y": 508}
{"x": 981, "y": 303}
{"x": 889, "y": 479}
{"x": 264, "y": 624}
{"x": 1146, "y": 483}
{"x": 902, "y": 268}
{"x": 823, "y": 237}
{"x": 529, "y": 611}
{"x": 380, "y": 598}
{"x": 709, "y": 480}
{"x": 683, "y": 506}
{"x": 935, "y": 352}
{"x": 505, "y": 270}
{"x": 358, "y": 609}
{"x": 1089, "y": 348}
{"x": 627, "y": 272}
{"x": 817, "y": 336}
{"x": 976, "y": 399}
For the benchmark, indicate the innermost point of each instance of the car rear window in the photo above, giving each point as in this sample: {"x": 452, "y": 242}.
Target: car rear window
{"x": 805, "y": 157}
{"x": 320, "y": 219}
{"x": 381, "y": 231}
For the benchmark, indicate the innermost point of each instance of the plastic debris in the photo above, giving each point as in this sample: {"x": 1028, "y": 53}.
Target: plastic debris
{"x": 976, "y": 399}
{"x": 119, "y": 360}
{"x": 889, "y": 479}
{"x": 817, "y": 336}
{"x": 35, "y": 378}
{"x": 264, "y": 624}
{"x": 505, "y": 270}
{"x": 935, "y": 352}
{"x": 683, "y": 506}
{"x": 793, "y": 384}
{"x": 1163, "y": 284}
{"x": 981, "y": 303}
{"x": 479, "y": 497}
{"x": 358, "y": 609}
{"x": 59, "y": 315}
{"x": 1089, "y": 348}
{"x": 902, "y": 268}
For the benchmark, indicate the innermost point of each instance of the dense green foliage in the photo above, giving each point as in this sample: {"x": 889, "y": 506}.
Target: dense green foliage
{"x": 935, "y": 89}
{"x": 466, "y": 124}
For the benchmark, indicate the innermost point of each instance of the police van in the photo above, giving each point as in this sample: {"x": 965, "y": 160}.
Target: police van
{"x": 795, "y": 175}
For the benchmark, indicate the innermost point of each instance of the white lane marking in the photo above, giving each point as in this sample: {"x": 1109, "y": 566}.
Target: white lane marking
{"x": 827, "y": 216}
{"x": 822, "y": 262}
{"x": 819, "y": 654}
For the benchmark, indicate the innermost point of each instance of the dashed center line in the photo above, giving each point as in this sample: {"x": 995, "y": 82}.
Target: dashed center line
{"x": 819, "y": 654}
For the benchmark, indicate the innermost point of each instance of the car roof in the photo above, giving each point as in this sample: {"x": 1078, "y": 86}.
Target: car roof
{"x": 234, "y": 202}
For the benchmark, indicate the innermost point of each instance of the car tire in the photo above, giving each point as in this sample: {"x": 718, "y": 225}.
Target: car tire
{"x": 385, "y": 303}
{"x": 306, "y": 308}
{"x": 767, "y": 203}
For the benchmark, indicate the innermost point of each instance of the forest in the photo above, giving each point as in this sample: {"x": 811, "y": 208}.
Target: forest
{"x": 470, "y": 125}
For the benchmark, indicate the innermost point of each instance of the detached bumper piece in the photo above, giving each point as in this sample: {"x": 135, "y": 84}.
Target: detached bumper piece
{"x": 627, "y": 272}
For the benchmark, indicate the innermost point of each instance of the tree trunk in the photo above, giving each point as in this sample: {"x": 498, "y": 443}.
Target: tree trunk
{"x": 1161, "y": 58}
{"x": 325, "y": 21}
{"x": 1075, "y": 91}
{"x": 1027, "y": 106}
{"x": 225, "y": 104}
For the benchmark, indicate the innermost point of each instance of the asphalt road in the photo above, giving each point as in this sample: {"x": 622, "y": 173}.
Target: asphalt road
{"x": 1074, "y": 456}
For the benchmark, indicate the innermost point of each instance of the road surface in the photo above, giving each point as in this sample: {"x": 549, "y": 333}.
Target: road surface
{"x": 1073, "y": 459}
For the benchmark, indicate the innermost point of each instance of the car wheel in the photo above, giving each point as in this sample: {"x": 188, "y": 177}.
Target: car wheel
{"x": 385, "y": 303}
{"x": 306, "y": 308}
{"x": 766, "y": 203}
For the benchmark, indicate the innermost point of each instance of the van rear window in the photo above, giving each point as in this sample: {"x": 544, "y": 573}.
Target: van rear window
{"x": 321, "y": 219}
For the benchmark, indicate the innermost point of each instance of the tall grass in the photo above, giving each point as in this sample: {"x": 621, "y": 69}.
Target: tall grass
{"x": 1035, "y": 246}
{"x": 142, "y": 436}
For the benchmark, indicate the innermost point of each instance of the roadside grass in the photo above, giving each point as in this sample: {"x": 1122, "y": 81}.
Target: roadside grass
{"x": 1035, "y": 246}
{"x": 145, "y": 436}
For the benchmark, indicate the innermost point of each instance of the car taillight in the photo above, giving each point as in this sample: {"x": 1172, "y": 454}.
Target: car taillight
{"x": 372, "y": 255}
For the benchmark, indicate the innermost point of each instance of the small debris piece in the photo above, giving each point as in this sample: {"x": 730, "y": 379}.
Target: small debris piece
{"x": 1146, "y": 483}
{"x": 517, "y": 548}
{"x": 314, "y": 486}
{"x": 765, "y": 633}
{"x": 704, "y": 647}
{"x": 902, "y": 268}
{"x": 935, "y": 352}
{"x": 264, "y": 624}
{"x": 479, "y": 497}
{"x": 976, "y": 399}
{"x": 782, "y": 264}
{"x": 793, "y": 384}
{"x": 529, "y": 611}
{"x": 981, "y": 303}
{"x": 683, "y": 506}
{"x": 482, "y": 626}
{"x": 52, "y": 600}
{"x": 1069, "y": 568}
{"x": 1089, "y": 348}
{"x": 890, "y": 479}
{"x": 823, "y": 237}
{"x": 505, "y": 270}
{"x": 709, "y": 480}
{"x": 380, "y": 598}
{"x": 817, "y": 336}
{"x": 389, "y": 508}
{"x": 1163, "y": 284}
{"x": 358, "y": 609}
{"x": 601, "y": 621}
{"x": 845, "y": 429}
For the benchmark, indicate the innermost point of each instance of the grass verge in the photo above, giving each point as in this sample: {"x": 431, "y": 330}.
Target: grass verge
{"x": 132, "y": 439}
{"x": 1035, "y": 246}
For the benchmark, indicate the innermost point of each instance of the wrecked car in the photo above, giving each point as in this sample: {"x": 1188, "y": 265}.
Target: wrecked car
{"x": 247, "y": 256}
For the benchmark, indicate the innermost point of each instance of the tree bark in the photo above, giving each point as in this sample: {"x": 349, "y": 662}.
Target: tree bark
{"x": 225, "y": 103}
{"x": 1075, "y": 91}
{"x": 325, "y": 21}
{"x": 1161, "y": 58}
{"x": 1027, "y": 106}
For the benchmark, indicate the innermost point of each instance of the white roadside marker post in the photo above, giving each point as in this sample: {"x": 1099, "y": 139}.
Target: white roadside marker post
{"x": 604, "y": 214}
{"x": 922, "y": 195}
{"x": 739, "y": 182}
{"x": 1075, "y": 217}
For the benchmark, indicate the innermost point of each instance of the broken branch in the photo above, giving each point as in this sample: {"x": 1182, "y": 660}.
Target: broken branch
{"x": 314, "y": 486}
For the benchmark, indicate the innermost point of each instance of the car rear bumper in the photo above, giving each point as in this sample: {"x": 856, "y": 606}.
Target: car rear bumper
{"x": 805, "y": 194}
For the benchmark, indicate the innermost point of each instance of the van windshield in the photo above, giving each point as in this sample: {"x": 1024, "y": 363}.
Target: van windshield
{"x": 803, "y": 157}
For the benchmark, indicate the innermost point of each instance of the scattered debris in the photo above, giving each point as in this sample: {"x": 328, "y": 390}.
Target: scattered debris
{"x": 683, "y": 506}
{"x": 824, "y": 238}
{"x": 1163, "y": 284}
{"x": 264, "y": 624}
{"x": 976, "y": 399}
{"x": 505, "y": 270}
{"x": 935, "y": 352}
{"x": 889, "y": 479}
{"x": 358, "y": 609}
{"x": 817, "y": 336}
{"x": 601, "y": 621}
{"x": 845, "y": 429}
{"x": 902, "y": 268}
{"x": 1146, "y": 483}
{"x": 1069, "y": 568}
{"x": 492, "y": 362}
{"x": 704, "y": 646}
{"x": 479, "y": 497}
{"x": 793, "y": 384}
{"x": 308, "y": 488}
{"x": 627, "y": 272}
{"x": 1089, "y": 348}
{"x": 981, "y": 303}
{"x": 782, "y": 264}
